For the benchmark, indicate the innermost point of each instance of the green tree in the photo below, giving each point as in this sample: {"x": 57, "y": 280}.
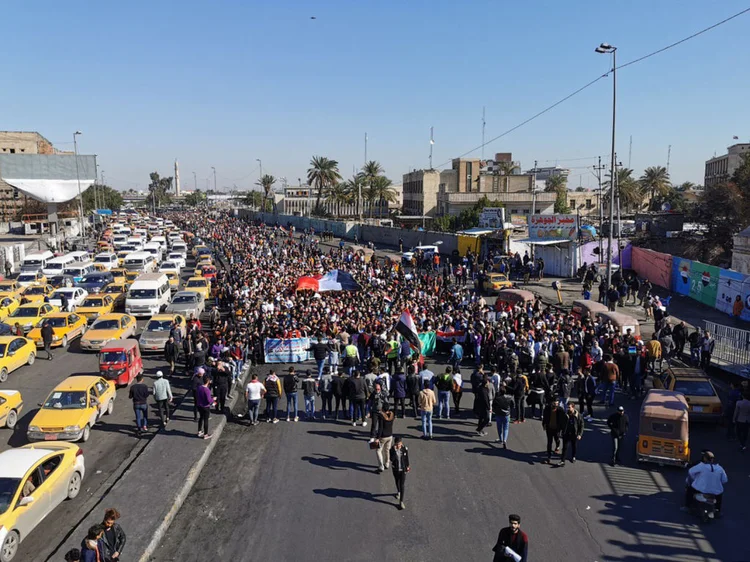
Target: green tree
{"x": 107, "y": 198}
{"x": 371, "y": 171}
{"x": 629, "y": 189}
{"x": 380, "y": 190}
{"x": 561, "y": 202}
{"x": 655, "y": 181}
{"x": 556, "y": 183}
{"x": 158, "y": 191}
{"x": 339, "y": 194}
{"x": 194, "y": 199}
{"x": 257, "y": 200}
{"x": 266, "y": 184}
{"x": 323, "y": 173}
{"x": 686, "y": 186}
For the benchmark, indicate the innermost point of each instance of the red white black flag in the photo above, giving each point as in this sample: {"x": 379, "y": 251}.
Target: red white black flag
{"x": 406, "y": 328}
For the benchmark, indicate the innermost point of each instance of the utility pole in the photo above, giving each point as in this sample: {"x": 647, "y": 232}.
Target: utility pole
{"x": 78, "y": 177}
{"x": 630, "y": 152}
{"x": 598, "y": 168}
{"x": 484, "y": 125}
{"x": 669, "y": 156}
{"x": 195, "y": 181}
{"x": 432, "y": 142}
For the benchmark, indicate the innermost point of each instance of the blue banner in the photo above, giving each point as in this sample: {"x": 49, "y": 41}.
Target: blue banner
{"x": 681, "y": 275}
{"x": 287, "y": 350}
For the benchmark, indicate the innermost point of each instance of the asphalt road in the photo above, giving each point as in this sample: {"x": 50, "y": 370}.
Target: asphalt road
{"x": 112, "y": 442}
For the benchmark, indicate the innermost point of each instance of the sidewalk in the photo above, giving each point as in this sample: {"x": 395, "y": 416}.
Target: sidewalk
{"x": 151, "y": 491}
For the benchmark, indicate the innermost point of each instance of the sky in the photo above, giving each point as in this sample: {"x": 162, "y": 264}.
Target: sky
{"x": 227, "y": 83}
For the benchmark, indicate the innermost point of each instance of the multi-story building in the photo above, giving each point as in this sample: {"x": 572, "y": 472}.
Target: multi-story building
{"x": 544, "y": 173}
{"x": 300, "y": 200}
{"x": 465, "y": 185}
{"x": 584, "y": 203}
{"x": 420, "y": 188}
{"x": 720, "y": 169}
{"x": 13, "y": 203}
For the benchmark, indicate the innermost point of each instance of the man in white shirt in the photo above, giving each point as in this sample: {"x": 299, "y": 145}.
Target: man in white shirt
{"x": 706, "y": 477}
{"x": 425, "y": 378}
{"x": 254, "y": 392}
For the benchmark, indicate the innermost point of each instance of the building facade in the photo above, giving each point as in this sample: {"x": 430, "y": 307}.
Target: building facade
{"x": 420, "y": 189}
{"x": 300, "y": 200}
{"x": 584, "y": 203}
{"x": 721, "y": 168}
{"x": 12, "y": 203}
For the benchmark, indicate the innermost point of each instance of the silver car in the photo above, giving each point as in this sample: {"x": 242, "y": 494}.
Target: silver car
{"x": 187, "y": 303}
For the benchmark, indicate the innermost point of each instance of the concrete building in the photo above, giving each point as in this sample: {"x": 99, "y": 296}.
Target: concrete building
{"x": 741, "y": 252}
{"x": 12, "y": 203}
{"x": 300, "y": 200}
{"x": 585, "y": 203}
{"x": 544, "y": 173}
{"x": 721, "y": 168}
{"x": 420, "y": 189}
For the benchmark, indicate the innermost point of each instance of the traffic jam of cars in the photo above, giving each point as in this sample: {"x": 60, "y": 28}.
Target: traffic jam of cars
{"x": 95, "y": 300}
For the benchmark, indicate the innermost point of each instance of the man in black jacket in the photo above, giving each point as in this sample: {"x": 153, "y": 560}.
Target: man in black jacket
{"x": 572, "y": 433}
{"x": 618, "y": 424}
{"x": 400, "y": 466}
{"x": 188, "y": 347}
{"x": 171, "y": 353}
{"x": 290, "y": 389}
{"x": 47, "y": 334}
{"x": 513, "y": 538}
{"x": 113, "y": 540}
{"x": 358, "y": 396}
{"x": 412, "y": 391}
{"x": 222, "y": 380}
{"x": 320, "y": 353}
{"x": 340, "y": 394}
{"x": 554, "y": 421}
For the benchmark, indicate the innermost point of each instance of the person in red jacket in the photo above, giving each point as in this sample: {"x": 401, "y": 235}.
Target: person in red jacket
{"x": 511, "y": 538}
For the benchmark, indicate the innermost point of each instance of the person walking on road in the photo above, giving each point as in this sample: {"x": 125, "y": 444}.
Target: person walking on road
{"x": 618, "y": 424}
{"x": 384, "y": 438}
{"x": 482, "y": 405}
{"x": 273, "y": 392}
{"x": 554, "y": 421}
{"x": 47, "y": 336}
{"x": 586, "y": 394}
{"x": 501, "y": 407}
{"x": 290, "y": 390}
{"x": 204, "y": 401}
{"x": 611, "y": 374}
{"x": 426, "y": 405}
{"x": 444, "y": 385}
{"x": 572, "y": 433}
{"x": 325, "y": 387}
{"x": 457, "y": 391}
{"x": 742, "y": 420}
{"x": 512, "y": 543}
{"x": 254, "y": 392}
{"x": 138, "y": 393}
{"x": 707, "y": 349}
{"x": 113, "y": 540}
{"x": 309, "y": 391}
{"x": 412, "y": 391}
{"x": 171, "y": 353}
{"x": 340, "y": 395}
{"x": 358, "y": 396}
{"x": 400, "y": 466}
{"x": 163, "y": 397}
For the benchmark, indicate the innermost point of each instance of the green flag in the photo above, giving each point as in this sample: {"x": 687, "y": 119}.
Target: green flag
{"x": 428, "y": 343}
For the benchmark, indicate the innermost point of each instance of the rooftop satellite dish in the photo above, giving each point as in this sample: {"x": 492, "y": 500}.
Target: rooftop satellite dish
{"x": 666, "y": 207}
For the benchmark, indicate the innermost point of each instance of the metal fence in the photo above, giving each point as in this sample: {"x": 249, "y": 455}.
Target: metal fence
{"x": 732, "y": 346}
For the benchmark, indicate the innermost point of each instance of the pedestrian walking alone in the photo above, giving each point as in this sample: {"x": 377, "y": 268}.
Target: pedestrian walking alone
{"x": 400, "y": 466}
{"x": 254, "y": 392}
{"x": 139, "y": 393}
{"x": 501, "y": 407}
{"x": 572, "y": 433}
{"x": 512, "y": 543}
{"x": 482, "y": 405}
{"x": 384, "y": 438}
{"x": 163, "y": 397}
{"x": 47, "y": 335}
{"x": 426, "y": 405}
{"x": 554, "y": 421}
{"x": 204, "y": 401}
{"x": 618, "y": 424}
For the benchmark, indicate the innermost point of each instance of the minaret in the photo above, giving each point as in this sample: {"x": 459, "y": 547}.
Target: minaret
{"x": 176, "y": 178}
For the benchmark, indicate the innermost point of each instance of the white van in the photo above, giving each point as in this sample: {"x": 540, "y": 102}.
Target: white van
{"x": 148, "y": 295}
{"x": 180, "y": 247}
{"x": 55, "y": 266}
{"x": 140, "y": 261}
{"x": 161, "y": 240}
{"x": 136, "y": 241}
{"x": 80, "y": 256}
{"x": 119, "y": 240}
{"x": 155, "y": 249}
{"x": 36, "y": 262}
{"x": 78, "y": 270}
{"x": 107, "y": 259}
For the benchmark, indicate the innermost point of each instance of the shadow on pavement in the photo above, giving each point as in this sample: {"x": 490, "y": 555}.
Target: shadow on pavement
{"x": 354, "y": 494}
{"x": 334, "y": 463}
{"x": 351, "y": 434}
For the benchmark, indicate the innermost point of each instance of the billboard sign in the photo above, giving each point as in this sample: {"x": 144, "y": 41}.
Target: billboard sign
{"x": 492, "y": 217}
{"x": 553, "y": 227}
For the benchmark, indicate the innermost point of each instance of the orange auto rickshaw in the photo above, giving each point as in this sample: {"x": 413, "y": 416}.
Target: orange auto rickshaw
{"x": 513, "y": 297}
{"x": 120, "y": 361}
{"x": 663, "y": 432}
{"x": 587, "y": 310}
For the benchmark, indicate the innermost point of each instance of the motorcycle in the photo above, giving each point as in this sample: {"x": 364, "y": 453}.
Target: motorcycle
{"x": 704, "y": 506}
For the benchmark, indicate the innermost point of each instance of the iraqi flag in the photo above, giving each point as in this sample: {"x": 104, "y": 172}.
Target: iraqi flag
{"x": 335, "y": 280}
{"x": 406, "y": 328}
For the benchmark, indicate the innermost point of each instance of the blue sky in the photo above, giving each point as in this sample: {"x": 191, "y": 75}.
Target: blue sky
{"x": 223, "y": 83}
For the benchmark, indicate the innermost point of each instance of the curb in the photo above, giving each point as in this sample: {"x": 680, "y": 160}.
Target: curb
{"x": 192, "y": 477}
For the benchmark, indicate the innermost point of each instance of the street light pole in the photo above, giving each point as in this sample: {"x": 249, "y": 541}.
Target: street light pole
{"x": 78, "y": 177}
{"x": 609, "y": 49}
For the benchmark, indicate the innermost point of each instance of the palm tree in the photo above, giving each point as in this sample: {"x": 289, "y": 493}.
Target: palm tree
{"x": 506, "y": 169}
{"x": 369, "y": 173}
{"x": 655, "y": 181}
{"x": 338, "y": 194}
{"x": 686, "y": 186}
{"x": 380, "y": 190}
{"x": 629, "y": 189}
{"x": 323, "y": 173}
{"x": 555, "y": 184}
{"x": 266, "y": 183}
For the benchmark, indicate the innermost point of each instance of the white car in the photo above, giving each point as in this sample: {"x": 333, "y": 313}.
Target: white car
{"x": 177, "y": 258}
{"x": 34, "y": 480}
{"x": 428, "y": 251}
{"x": 26, "y": 278}
{"x": 75, "y": 296}
{"x": 170, "y": 266}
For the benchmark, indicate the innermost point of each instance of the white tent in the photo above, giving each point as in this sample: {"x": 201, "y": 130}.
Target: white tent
{"x": 49, "y": 178}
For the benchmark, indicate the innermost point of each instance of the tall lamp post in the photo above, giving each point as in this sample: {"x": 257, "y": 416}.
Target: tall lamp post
{"x": 215, "y": 192}
{"x": 78, "y": 177}
{"x": 606, "y": 48}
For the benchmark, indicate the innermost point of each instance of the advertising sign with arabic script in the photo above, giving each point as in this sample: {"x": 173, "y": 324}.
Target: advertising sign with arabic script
{"x": 553, "y": 227}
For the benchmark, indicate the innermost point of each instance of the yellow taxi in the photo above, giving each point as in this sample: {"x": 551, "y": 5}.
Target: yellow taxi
{"x": 15, "y": 352}
{"x": 8, "y": 306}
{"x": 37, "y": 478}
{"x": 199, "y": 285}
{"x": 700, "y": 394}
{"x": 10, "y": 288}
{"x": 198, "y": 249}
{"x": 119, "y": 274}
{"x": 26, "y": 278}
{"x": 65, "y": 327}
{"x": 100, "y": 267}
{"x": 495, "y": 282}
{"x": 11, "y": 405}
{"x": 29, "y": 315}
{"x": 36, "y": 293}
{"x": 72, "y": 409}
{"x": 174, "y": 280}
{"x": 108, "y": 327}
{"x": 121, "y": 255}
{"x": 95, "y": 305}
{"x": 118, "y": 291}
{"x": 131, "y": 276}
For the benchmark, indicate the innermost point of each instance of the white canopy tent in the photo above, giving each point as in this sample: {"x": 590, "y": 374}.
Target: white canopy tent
{"x": 49, "y": 178}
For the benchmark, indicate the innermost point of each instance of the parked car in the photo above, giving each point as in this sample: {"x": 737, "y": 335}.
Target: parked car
{"x": 187, "y": 303}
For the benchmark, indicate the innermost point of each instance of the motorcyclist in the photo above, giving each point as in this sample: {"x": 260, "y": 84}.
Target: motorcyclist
{"x": 706, "y": 477}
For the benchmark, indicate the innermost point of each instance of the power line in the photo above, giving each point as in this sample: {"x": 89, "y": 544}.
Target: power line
{"x": 586, "y": 86}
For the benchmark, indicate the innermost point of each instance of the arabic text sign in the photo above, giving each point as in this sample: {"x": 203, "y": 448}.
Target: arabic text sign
{"x": 287, "y": 350}
{"x": 492, "y": 217}
{"x": 553, "y": 227}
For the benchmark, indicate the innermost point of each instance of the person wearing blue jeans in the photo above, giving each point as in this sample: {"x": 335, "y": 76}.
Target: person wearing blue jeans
{"x": 141, "y": 416}
{"x": 501, "y": 407}
{"x": 444, "y": 403}
{"x": 426, "y": 404}
{"x": 292, "y": 411}
{"x": 253, "y": 407}
{"x": 139, "y": 394}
